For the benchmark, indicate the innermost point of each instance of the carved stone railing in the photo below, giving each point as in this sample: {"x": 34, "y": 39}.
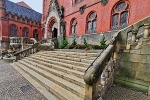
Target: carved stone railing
{"x": 26, "y": 52}
{"x": 21, "y": 42}
{"x": 99, "y": 76}
{"x": 30, "y": 50}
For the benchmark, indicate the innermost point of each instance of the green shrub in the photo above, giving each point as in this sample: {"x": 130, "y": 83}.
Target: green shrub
{"x": 74, "y": 43}
{"x": 64, "y": 43}
{"x": 103, "y": 42}
{"x": 98, "y": 46}
{"x": 85, "y": 43}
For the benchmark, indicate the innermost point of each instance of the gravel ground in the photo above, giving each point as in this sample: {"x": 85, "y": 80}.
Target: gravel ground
{"x": 13, "y": 86}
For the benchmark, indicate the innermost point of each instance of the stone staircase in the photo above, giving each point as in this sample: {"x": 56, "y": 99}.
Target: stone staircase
{"x": 60, "y": 72}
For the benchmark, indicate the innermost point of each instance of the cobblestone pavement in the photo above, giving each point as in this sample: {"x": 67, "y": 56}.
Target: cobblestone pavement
{"x": 13, "y": 86}
{"x": 120, "y": 93}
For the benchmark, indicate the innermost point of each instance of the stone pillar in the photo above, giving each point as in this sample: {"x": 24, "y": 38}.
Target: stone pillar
{"x": 133, "y": 38}
{"x": 146, "y": 31}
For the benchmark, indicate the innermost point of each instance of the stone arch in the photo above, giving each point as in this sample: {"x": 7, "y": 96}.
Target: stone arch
{"x": 52, "y": 28}
{"x": 53, "y": 17}
{"x": 55, "y": 11}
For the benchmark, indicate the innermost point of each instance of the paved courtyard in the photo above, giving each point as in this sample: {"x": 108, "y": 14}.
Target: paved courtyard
{"x": 13, "y": 86}
{"x": 120, "y": 93}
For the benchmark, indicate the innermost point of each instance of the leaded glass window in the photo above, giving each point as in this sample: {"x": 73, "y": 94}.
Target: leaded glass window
{"x": 120, "y": 15}
{"x": 25, "y": 32}
{"x": 91, "y": 22}
{"x": 74, "y": 26}
{"x": 13, "y": 31}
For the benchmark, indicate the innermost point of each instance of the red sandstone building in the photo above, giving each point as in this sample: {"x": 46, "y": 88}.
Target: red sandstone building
{"x": 70, "y": 18}
{"x": 83, "y": 17}
{"x": 18, "y": 20}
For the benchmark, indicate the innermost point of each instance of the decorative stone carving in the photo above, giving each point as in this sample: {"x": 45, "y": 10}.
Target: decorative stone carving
{"x": 81, "y": 9}
{"x": 104, "y": 2}
{"x": 62, "y": 11}
{"x": 54, "y": 6}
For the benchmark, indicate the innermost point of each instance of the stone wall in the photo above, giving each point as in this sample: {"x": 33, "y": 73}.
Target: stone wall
{"x": 4, "y": 45}
{"x": 136, "y": 63}
{"x": 93, "y": 38}
{"x": 134, "y": 69}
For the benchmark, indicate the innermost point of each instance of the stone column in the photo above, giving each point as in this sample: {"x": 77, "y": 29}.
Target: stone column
{"x": 133, "y": 38}
{"x": 146, "y": 31}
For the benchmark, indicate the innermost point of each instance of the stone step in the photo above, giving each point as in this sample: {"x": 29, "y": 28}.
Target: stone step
{"x": 70, "y": 66}
{"x": 38, "y": 86}
{"x": 72, "y": 53}
{"x": 54, "y": 88}
{"x": 68, "y": 57}
{"x": 79, "y": 91}
{"x": 56, "y": 67}
{"x": 68, "y": 77}
{"x": 65, "y": 61}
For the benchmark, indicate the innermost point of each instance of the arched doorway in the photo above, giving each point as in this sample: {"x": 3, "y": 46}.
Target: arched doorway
{"x": 54, "y": 33}
{"x": 35, "y": 34}
{"x": 52, "y": 28}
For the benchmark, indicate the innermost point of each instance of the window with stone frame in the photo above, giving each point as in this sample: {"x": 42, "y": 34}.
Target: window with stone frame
{"x": 25, "y": 32}
{"x": 91, "y": 22}
{"x": 120, "y": 15}
{"x": 13, "y": 31}
{"x": 73, "y": 26}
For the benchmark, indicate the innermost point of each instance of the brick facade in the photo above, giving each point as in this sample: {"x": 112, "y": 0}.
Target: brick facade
{"x": 137, "y": 10}
{"x": 10, "y": 15}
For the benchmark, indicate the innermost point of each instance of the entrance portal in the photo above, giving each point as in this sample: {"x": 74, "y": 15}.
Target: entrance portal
{"x": 54, "y": 33}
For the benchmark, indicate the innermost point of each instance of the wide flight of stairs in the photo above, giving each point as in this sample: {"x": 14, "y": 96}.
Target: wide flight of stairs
{"x": 61, "y": 72}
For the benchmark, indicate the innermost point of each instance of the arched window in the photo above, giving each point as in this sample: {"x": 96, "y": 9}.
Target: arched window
{"x": 120, "y": 15}
{"x": 91, "y": 22}
{"x": 35, "y": 34}
{"x": 74, "y": 26}
{"x": 13, "y": 31}
{"x": 25, "y": 32}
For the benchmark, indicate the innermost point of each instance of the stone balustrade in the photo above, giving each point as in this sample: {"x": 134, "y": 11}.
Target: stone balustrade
{"x": 30, "y": 50}
{"x": 26, "y": 52}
